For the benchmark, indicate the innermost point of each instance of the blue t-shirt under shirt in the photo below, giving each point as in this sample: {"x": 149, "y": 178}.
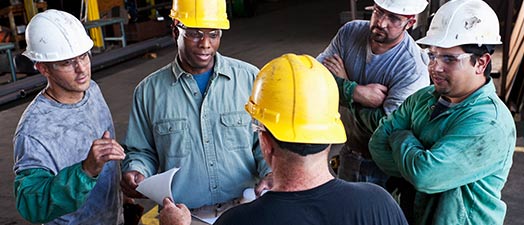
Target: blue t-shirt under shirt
{"x": 202, "y": 80}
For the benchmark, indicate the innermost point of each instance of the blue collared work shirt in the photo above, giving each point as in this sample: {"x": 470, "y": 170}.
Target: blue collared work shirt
{"x": 208, "y": 136}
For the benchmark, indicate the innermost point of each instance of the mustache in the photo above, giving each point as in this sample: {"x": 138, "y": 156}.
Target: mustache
{"x": 378, "y": 28}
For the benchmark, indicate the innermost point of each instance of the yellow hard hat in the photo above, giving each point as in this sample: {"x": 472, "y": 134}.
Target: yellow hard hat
{"x": 296, "y": 99}
{"x": 201, "y": 13}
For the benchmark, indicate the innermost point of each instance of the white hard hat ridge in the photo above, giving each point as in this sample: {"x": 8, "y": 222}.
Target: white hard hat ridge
{"x": 55, "y": 35}
{"x": 403, "y": 7}
{"x": 461, "y": 22}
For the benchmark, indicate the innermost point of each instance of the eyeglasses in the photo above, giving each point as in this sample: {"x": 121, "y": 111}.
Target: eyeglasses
{"x": 448, "y": 60}
{"x": 257, "y": 127}
{"x": 393, "y": 20}
{"x": 70, "y": 65}
{"x": 197, "y": 35}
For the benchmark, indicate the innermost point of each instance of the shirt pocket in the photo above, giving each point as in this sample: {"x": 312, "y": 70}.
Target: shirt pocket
{"x": 171, "y": 138}
{"x": 237, "y": 132}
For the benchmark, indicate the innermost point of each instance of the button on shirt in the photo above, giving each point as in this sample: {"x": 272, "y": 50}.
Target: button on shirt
{"x": 209, "y": 137}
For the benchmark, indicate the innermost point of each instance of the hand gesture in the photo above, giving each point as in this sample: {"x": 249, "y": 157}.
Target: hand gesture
{"x": 102, "y": 150}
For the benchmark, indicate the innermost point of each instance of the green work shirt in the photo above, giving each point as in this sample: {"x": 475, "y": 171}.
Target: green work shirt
{"x": 458, "y": 161}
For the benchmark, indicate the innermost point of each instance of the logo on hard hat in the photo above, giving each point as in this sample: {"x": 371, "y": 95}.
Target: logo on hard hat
{"x": 471, "y": 22}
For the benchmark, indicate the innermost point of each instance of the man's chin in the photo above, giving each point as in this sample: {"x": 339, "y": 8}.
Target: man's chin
{"x": 378, "y": 38}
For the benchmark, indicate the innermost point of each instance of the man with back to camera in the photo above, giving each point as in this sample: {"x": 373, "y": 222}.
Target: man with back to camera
{"x": 454, "y": 140}
{"x": 295, "y": 105}
{"x": 190, "y": 114}
{"x": 66, "y": 158}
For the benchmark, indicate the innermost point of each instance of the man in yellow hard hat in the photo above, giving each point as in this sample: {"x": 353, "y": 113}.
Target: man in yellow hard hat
{"x": 454, "y": 140}
{"x": 295, "y": 106}
{"x": 190, "y": 114}
{"x": 66, "y": 158}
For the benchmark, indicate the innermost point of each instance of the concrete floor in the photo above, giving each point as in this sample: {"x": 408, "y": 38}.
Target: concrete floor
{"x": 280, "y": 27}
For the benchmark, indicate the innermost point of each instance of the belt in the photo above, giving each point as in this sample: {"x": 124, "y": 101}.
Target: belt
{"x": 211, "y": 211}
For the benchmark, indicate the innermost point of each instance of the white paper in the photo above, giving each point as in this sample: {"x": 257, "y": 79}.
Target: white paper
{"x": 158, "y": 187}
{"x": 247, "y": 196}
{"x": 207, "y": 220}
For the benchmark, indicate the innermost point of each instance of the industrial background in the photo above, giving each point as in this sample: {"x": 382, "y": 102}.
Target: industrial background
{"x": 132, "y": 39}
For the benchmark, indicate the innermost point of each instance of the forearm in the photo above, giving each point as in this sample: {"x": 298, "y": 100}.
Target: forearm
{"x": 42, "y": 196}
{"x": 369, "y": 117}
{"x": 423, "y": 165}
{"x": 346, "y": 89}
{"x": 145, "y": 162}
{"x": 381, "y": 152}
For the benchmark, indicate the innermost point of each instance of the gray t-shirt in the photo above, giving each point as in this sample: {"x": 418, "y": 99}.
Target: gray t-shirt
{"x": 53, "y": 136}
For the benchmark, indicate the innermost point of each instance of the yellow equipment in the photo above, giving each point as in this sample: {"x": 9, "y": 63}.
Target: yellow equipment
{"x": 201, "y": 13}
{"x": 94, "y": 14}
{"x": 30, "y": 9}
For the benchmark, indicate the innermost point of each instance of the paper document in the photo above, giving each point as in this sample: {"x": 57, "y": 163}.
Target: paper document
{"x": 207, "y": 220}
{"x": 158, "y": 187}
{"x": 247, "y": 196}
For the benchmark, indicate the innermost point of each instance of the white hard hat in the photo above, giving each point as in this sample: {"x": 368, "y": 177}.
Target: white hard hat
{"x": 403, "y": 7}
{"x": 55, "y": 35}
{"x": 461, "y": 22}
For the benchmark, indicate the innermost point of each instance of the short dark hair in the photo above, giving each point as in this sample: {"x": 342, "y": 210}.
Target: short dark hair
{"x": 478, "y": 51}
{"x": 302, "y": 149}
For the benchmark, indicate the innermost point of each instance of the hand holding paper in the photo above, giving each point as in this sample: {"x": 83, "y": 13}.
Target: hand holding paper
{"x": 158, "y": 187}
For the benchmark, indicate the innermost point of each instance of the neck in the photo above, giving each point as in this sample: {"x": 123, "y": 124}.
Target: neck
{"x": 63, "y": 97}
{"x": 302, "y": 174}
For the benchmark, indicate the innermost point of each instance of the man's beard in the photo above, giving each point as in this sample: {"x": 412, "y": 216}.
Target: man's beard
{"x": 381, "y": 37}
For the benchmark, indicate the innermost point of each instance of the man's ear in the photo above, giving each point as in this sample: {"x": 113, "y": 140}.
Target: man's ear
{"x": 482, "y": 63}
{"x": 266, "y": 144}
{"x": 174, "y": 30}
{"x": 43, "y": 69}
{"x": 410, "y": 24}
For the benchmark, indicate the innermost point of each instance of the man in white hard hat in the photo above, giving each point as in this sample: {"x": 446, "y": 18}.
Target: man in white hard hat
{"x": 190, "y": 114}
{"x": 454, "y": 140}
{"x": 377, "y": 65}
{"x": 66, "y": 158}
{"x": 295, "y": 104}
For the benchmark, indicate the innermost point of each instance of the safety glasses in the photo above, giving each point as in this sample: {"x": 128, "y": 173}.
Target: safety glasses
{"x": 197, "y": 35}
{"x": 257, "y": 126}
{"x": 393, "y": 20}
{"x": 70, "y": 65}
{"x": 448, "y": 60}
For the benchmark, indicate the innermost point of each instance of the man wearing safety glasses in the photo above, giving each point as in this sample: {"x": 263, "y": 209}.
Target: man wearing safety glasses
{"x": 377, "y": 65}
{"x": 190, "y": 114}
{"x": 66, "y": 158}
{"x": 454, "y": 140}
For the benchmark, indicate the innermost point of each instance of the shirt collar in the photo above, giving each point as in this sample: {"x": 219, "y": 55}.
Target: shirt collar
{"x": 219, "y": 68}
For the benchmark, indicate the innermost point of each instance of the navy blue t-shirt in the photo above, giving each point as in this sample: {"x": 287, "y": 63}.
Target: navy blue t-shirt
{"x": 335, "y": 202}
